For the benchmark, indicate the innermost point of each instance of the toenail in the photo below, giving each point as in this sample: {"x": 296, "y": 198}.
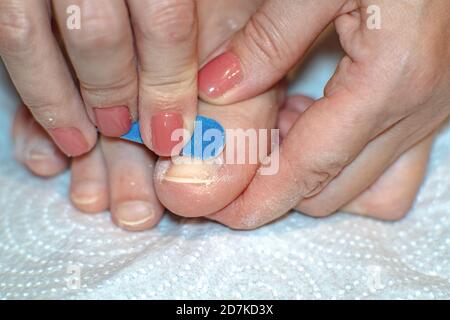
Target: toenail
{"x": 86, "y": 192}
{"x": 40, "y": 152}
{"x": 192, "y": 171}
{"x": 134, "y": 213}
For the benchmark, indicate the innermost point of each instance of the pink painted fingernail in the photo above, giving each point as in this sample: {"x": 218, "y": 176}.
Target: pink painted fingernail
{"x": 220, "y": 75}
{"x": 113, "y": 121}
{"x": 163, "y": 125}
{"x": 70, "y": 141}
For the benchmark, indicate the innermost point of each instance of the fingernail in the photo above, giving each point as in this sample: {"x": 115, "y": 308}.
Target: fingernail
{"x": 134, "y": 213}
{"x": 220, "y": 75}
{"x": 163, "y": 125}
{"x": 113, "y": 121}
{"x": 70, "y": 141}
{"x": 86, "y": 192}
{"x": 191, "y": 171}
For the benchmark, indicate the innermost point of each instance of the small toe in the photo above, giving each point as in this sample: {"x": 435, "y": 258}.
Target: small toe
{"x": 134, "y": 204}
{"x": 89, "y": 182}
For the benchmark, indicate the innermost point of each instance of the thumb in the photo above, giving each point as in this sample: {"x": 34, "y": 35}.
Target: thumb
{"x": 262, "y": 52}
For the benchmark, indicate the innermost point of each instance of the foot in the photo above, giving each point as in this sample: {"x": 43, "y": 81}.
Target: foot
{"x": 115, "y": 175}
{"x": 34, "y": 149}
{"x": 201, "y": 188}
{"x": 390, "y": 197}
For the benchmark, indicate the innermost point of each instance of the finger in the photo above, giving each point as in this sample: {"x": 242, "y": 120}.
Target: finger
{"x": 89, "y": 182}
{"x": 319, "y": 154}
{"x": 319, "y": 145}
{"x": 41, "y": 76}
{"x": 376, "y": 159}
{"x": 134, "y": 205}
{"x": 259, "y": 55}
{"x": 102, "y": 54}
{"x": 364, "y": 172}
{"x": 166, "y": 36}
{"x": 34, "y": 148}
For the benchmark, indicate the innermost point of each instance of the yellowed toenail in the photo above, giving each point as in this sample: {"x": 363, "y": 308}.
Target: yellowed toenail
{"x": 84, "y": 200}
{"x": 86, "y": 193}
{"x": 134, "y": 213}
{"x": 195, "y": 172}
{"x": 40, "y": 152}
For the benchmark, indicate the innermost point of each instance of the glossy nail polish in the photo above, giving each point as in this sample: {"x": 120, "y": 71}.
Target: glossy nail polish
{"x": 113, "y": 121}
{"x": 70, "y": 141}
{"x": 220, "y": 75}
{"x": 163, "y": 125}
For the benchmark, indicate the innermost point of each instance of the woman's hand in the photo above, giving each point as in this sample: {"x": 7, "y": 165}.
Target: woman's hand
{"x": 147, "y": 66}
{"x": 389, "y": 92}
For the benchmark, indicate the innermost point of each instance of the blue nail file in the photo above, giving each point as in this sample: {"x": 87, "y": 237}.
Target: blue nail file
{"x": 207, "y": 141}
{"x": 134, "y": 134}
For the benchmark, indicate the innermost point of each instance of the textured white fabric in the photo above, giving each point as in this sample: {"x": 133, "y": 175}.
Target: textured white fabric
{"x": 43, "y": 240}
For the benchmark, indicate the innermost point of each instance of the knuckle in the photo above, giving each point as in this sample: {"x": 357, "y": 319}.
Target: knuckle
{"x": 16, "y": 30}
{"x": 263, "y": 36}
{"x": 97, "y": 32}
{"x": 165, "y": 87}
{"x": 45, "y": 113}
{"x": 321, "y": 173}
{"x": 121, "y": 89}
{"x": 171, "y": 21}
{"x": 169, "y": 80}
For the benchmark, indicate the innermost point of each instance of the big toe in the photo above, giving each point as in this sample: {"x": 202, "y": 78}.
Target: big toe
{"x": 194, "y": 188}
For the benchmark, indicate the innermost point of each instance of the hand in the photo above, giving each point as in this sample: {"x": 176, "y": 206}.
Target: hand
{"x": 158, "y": 80}
{"x": 119, "y": 175}
{"x": 389, "y": 92}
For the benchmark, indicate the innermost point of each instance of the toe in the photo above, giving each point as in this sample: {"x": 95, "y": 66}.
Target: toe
{"x": 89, "y": 184}
{"x": 134, "y": 205}
{"x": 35, "y": 149}
{"x": 199, "y": 188}
{"x": 392, "y": 195}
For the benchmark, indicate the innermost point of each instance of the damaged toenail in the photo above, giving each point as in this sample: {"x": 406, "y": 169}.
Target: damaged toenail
{"x": 207, "y": 141}
{"x": 40, "y": 152}
{"x": 134, "y": 213}
{"x": 192, "y": 171}
{"x": 86, "y": 193}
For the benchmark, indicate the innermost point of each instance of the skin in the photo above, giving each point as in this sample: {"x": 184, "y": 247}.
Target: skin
{"x": 119, "y": 172}
{"x": 388, "y": 94}
{"x": 365, "y": 197}
{"x": 123, "y": 50}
